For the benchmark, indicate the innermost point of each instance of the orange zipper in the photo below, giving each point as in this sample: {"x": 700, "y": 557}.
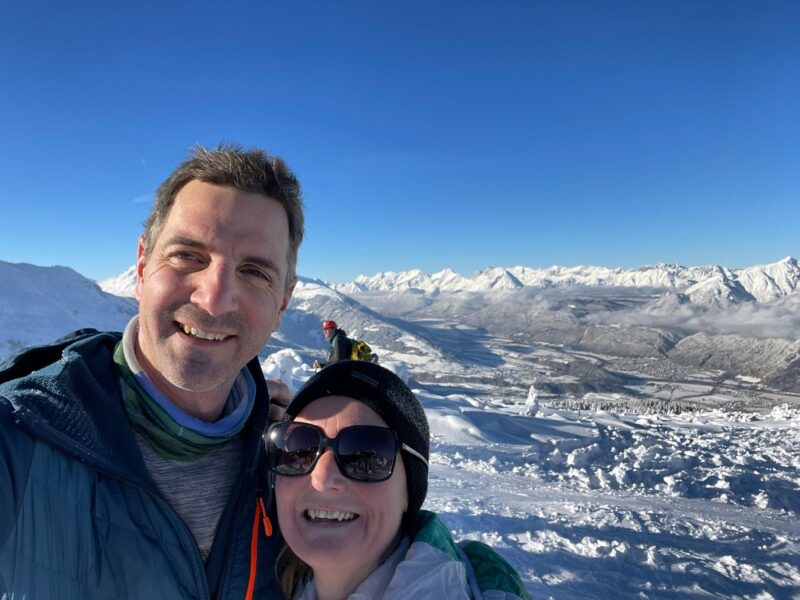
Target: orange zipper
{"x": 262, "y": 512}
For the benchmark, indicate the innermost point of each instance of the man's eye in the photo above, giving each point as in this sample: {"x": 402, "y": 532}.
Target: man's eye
{"x": 184, "y": 256}
{"x": 257, "y": 273}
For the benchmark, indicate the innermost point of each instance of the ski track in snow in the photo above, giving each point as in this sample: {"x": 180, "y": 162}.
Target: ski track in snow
{"x": 602, "y": 505}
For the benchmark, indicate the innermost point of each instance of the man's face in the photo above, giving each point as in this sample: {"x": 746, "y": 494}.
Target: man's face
{"x": 211, "y": 292}
{"x": 329, "y": 333}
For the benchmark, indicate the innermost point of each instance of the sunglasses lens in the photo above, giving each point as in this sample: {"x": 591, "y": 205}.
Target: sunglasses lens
{"x": 363, "y": 452}
{"x": 366, "y": 453}
{"x": 293, "y": 448}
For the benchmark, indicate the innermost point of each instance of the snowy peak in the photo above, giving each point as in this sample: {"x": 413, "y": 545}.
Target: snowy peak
{"x": 719, "y": 289}
{"x": 709, "y": 284}
{"x": 495, "y": 279}
{"x": 391, "y": 281}
{"x": 123, "y": 284}
{"x": 770, "y": 282}
{"x": 448, "y": 279}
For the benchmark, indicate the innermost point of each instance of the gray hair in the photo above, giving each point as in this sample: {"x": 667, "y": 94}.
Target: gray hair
{"x": 230, "y": 165}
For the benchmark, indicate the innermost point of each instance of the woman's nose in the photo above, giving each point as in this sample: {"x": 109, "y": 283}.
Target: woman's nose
{"x": 326, "y": 474}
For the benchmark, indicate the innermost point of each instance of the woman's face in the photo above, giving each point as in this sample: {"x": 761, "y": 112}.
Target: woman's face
{"x": 310, "y": 506}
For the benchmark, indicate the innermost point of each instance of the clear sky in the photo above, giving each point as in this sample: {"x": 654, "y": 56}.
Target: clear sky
{"x": 426, "y": 134}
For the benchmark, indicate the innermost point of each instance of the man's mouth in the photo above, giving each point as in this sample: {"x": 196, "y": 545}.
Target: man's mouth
{"x": 202, "y": 334}
{"x": 316, "y": 515}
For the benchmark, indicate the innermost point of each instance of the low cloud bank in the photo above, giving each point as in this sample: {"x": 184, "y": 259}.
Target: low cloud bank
{"x": 779, "y": 319}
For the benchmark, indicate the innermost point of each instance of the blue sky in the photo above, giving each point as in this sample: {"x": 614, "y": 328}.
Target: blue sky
{"x": 425, "y": 134}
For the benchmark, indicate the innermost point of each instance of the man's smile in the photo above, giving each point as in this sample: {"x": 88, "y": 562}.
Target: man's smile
{"x": 202, "y": 334}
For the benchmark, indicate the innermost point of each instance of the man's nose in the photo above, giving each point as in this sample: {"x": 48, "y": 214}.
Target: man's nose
{"x": 215, "y": 290}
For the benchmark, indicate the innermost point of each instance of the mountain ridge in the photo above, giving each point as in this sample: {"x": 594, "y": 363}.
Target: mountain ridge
{"x": 702, "y": 284}
{"x": 489, "y": 333}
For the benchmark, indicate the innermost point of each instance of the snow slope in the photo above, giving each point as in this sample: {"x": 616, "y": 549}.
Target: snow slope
{"x": 123, "y": 284}
{"x": 617, "y": 506}
{"x": 40, "y": 304}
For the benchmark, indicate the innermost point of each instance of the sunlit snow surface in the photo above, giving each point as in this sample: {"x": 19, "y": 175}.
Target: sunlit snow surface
{"x": 603, "y": 505}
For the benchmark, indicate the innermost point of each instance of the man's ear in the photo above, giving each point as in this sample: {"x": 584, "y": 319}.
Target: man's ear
{"x": 140, "y": 265}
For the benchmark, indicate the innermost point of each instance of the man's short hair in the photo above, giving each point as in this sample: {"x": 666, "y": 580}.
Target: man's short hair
{"x": 230, "y": 165}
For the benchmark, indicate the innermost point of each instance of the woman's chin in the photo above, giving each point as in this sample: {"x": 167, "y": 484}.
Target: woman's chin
{"x": 328, "y": 543}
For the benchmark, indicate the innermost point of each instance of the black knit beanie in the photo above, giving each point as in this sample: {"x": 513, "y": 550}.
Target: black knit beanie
{"x": 386, "y": 394}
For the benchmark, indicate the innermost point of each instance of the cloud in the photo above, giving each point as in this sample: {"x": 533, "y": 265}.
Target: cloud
{"x": 144, "y": 199}
{"x": 779, "y": 319}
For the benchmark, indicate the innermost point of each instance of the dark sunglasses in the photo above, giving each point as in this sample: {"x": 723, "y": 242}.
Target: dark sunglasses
{"x": 362, "y": 452}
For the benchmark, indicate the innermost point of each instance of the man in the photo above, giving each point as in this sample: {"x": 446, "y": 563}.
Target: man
{"x": 129, "y": 467}
{"x": 341, "y": 345}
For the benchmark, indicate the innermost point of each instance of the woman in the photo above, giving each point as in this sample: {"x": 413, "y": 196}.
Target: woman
{"x": 351, "y": 516}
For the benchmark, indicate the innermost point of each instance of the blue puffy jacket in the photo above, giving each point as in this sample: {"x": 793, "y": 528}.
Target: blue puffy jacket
{"x": 80, "y": 517}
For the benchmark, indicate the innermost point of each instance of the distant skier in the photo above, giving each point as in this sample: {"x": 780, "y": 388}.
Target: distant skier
{"x": 341, "y": 345}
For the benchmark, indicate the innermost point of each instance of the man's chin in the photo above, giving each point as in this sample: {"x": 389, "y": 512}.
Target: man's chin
{"x": 201, "y": 384}
{"x": 205, "y": 378}
{"x": 195, "y": 372}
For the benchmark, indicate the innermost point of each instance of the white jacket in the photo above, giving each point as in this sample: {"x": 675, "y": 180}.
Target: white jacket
{"x": 432, "y": 566}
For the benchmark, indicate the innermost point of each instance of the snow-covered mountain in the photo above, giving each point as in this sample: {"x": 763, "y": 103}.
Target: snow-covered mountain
{"x": 720, "y": 287}
{"x": 40, "y": 304}
{"x": 123, "y": 284}
{"x": 427, "y": 321}
{"x": 704, "y": 284}
{"x": 314, "y": 301}
{"x": 770, "y": 282}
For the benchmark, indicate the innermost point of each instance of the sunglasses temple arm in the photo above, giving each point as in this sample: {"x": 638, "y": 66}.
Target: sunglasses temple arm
{"x": 413, "y": 452}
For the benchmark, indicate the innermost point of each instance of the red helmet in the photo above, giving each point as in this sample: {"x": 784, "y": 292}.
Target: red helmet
{"x": 329, "y": 325}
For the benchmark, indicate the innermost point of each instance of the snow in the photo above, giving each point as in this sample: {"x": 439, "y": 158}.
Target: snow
{"x": 123, "y": 284}
{"x": 710, "y": 284}
{"x": 770, "y": 282}
{"x": 40, "y": 304}
{"x": 613, "y": 505}
{"x": 550, "y": 438}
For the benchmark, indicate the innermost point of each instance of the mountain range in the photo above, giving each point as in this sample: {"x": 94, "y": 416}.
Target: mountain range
{"x": 705, "y": 284}
{"x": 498, "y": 324}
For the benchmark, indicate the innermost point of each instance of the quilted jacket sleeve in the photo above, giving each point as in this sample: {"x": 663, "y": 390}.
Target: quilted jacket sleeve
{"x": 16, "y": 451}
